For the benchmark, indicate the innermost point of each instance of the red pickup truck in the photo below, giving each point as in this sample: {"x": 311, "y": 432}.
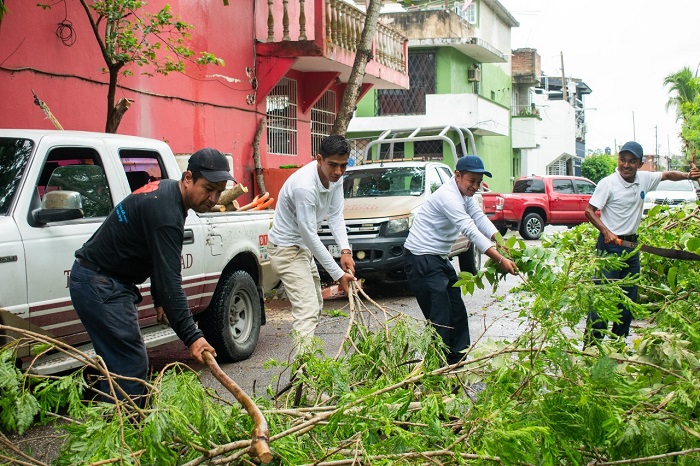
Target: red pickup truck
{"x": 537, "y": 201}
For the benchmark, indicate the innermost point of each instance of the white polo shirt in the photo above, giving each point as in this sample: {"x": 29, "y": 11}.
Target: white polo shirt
{"x": 441, "y": 219}
{"x": 621, "y": 203}
{"x": 302, "y": 205}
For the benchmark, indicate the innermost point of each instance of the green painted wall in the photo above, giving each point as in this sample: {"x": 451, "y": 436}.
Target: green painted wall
{"x": 452, "y": 67}
{"x": 365, "y": 107}
{"x": 495, "y": 85}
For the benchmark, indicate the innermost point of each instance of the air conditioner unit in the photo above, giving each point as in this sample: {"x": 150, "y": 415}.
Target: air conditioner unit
{"x": 474, "y": 75}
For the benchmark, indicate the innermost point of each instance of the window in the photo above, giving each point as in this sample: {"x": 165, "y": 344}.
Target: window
{"x": 322, "y": 118}
{"x": 563, "y": 186}
{"x": 529, "y": 186}
{"x": 141, "y": 167}
{"x": 282, "y": 118}
{"x": 14, "y": 158}
{"x": 427, "y": 150}
{"x": 434, "y": 180}
{"x": 445, "y": 174}
{"x": 584, "y": 187}
{"x": 384, "y": 182}
{"x": 469, "y": 15}
{"x": 77, "y": 169}
{"x": 422, "y": 74}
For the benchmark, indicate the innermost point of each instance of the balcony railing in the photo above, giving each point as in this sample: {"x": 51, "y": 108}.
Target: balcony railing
{"x": 337, "y": 23}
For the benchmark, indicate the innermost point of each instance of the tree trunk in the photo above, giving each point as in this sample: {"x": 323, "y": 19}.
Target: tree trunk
{"x": 112, "y": 119}
{"x": 363, "y": 55}
{"x": 256, "y": 155}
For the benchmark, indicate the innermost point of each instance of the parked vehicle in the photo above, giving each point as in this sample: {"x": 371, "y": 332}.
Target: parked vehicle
{"x": 57, "y": 187}
{"x": 381, "y": 198}
{"x": 670, "y": 193}
{"x": 537, "y": 201}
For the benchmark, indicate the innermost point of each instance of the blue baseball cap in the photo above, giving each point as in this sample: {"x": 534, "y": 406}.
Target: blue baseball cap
{"x": 471, "y": 163}
{"x": 633, "y": 148}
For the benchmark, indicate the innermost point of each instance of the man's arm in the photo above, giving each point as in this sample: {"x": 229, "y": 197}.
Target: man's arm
{"x": 166, "y": 282}
{"x": 306, "y": 222}
{"x": 336, "y": 223}
{"x": 694, "y": 174}
{"x": 590, "y": 212}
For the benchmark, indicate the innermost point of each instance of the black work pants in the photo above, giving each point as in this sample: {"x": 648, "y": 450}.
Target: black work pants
{"x": 431, "y": 277}
{"x": 107, "y": 309}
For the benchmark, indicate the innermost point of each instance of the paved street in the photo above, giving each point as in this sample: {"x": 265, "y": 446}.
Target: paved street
{"x": 488, "y": 315}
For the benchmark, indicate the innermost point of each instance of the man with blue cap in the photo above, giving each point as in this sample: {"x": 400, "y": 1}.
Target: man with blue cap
{"x": 449, "y": 211}
{"x": 620, "y": 199}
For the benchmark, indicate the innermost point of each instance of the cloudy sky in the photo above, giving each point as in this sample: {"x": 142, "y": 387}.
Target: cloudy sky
{"x": 623, "y": 50}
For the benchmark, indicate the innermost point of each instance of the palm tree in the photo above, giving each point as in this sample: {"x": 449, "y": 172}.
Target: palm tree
{"x": 684, "y": 84}
{"x": 684, "y": 96}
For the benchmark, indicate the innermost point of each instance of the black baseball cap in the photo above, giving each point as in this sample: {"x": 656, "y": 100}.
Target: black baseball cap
{"x": 211, "y": 163}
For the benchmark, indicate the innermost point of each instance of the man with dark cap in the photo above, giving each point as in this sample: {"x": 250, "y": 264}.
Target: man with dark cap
{"x": 141, "y": 238}
{"x": 620, "y": 199}
{"x": 449, "y": 211}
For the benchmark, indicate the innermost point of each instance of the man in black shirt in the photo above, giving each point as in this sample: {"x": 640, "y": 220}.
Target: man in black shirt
{"x": 141, "y": 238}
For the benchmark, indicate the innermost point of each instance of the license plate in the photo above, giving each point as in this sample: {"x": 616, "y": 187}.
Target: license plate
{"x": 334, "y": 249}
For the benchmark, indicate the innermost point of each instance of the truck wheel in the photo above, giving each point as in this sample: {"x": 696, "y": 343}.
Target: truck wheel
{"x": 232, "y": 323}
{"x": 532, "y": 226}
{"x": 468, "y": 261}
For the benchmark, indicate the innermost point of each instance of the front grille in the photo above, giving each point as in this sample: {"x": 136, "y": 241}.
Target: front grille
{"x": 669, "y": 201}
{"x": 359, "y": 229}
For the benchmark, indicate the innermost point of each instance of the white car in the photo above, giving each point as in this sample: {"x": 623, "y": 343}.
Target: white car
{"x": 671, "y": 193}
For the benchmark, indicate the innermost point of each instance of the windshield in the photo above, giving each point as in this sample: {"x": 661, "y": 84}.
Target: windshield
{"x": 668, "y": 185}
{"x": 14, "y": 155}
{"x": 384, "y": 181}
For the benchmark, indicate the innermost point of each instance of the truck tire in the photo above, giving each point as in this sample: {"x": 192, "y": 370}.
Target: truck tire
{"x": 232, "y": 322}
{"x": 468, "y": 260}
{"x": 532, "y": 226}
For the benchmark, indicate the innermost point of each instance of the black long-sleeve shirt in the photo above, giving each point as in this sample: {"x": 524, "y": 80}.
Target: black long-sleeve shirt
{"x": 142, "y": 237}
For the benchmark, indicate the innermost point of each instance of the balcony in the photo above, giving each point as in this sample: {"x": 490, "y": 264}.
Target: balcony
{"x": 321, "y": 37}
{"x": 471, "y": 111}
{"x": 437, "y": 26}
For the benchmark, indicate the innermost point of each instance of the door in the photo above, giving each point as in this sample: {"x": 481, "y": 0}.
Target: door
{"x": 584, "y": 190}
{"x": 564, "y": 202}
{"x": 80, "y": 166}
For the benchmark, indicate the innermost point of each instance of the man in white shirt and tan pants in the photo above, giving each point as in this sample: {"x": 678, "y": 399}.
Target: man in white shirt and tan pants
{"x": 313, "y": 193}
{"x": 449, "y": 211}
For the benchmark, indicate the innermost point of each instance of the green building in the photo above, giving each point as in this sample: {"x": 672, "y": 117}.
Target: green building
{"x": 460, "y": 77}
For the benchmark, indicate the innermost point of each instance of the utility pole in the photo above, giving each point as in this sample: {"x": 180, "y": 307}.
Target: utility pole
{"x": 656, "y": 147}
{"x": 563, "y": 79}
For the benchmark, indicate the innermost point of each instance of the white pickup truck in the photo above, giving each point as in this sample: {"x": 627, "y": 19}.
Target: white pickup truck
{"x": 57, "y": 187}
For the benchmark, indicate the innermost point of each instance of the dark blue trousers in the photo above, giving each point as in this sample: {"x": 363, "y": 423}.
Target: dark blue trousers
{"x": 622, "y": 329}
{"x": 107, "y": 309}
{"x": 431, "y": 277}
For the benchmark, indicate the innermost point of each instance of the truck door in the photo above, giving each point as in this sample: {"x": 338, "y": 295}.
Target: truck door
{"x": 584, "y": 190}
{"x": 14, "y": 160}
{"x": 49, "y": 248}
{"x": 564, "y": 202}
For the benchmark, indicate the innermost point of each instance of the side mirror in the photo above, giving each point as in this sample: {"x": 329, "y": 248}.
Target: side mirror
{"x": 59, "y": 206}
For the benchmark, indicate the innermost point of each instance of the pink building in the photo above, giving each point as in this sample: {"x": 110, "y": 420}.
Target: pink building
{"x": 287, "y": 60}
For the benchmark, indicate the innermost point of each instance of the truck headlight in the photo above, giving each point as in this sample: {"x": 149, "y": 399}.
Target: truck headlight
{"x": 397, "y": 226}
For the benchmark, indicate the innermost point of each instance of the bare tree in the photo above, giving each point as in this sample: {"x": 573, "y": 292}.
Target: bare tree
{"x": 363, "y": 55}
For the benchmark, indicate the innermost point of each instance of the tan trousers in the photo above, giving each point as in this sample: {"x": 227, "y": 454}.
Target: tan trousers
{"x": 296, "y": 268}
